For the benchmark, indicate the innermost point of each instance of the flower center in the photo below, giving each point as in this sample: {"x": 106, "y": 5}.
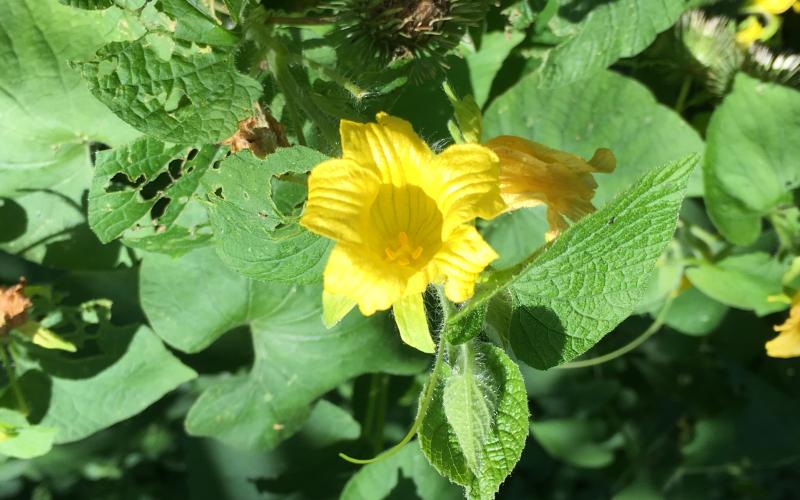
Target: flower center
{"x": 403, "y": 253}
{"x": 404, "y": 227}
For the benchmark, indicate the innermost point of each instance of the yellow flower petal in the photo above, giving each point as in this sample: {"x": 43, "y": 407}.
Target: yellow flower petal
{"x": 532, "y": 174}
{"x": 339, "y": 194}
{"x": 350, "y": 273}
{"x": 409, "y": 313}
{"x": 750, "y": 31}
{"x": 461, "y": 260}
{"x": 390, "y": 146}
{"x": 787, "y": 344}
{"x": 335, "y": 308}
{"x": 463, "y": 181}
{"x": 769, "y": 6}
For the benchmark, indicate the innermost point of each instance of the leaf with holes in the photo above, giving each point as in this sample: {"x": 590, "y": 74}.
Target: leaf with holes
{"x": 255, "y": 206}
{"x": 475, "y": 428}
{"x": 142, "y": 190}
{"x": 188, "y": 94}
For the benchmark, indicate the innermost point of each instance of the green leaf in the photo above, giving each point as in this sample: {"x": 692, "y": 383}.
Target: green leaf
{"x": 695, "y": 313}
{"x": 377, "y": 480}
{"x": 484, "y": 63}
{"x": 595, "y": 273}
{"x": 141, "y": 189}
{"x": 752, "y": 166}
{"x": 193, "y": 96}
{"x": 19, "y": 439}
{"x": 255, "y": 216}
{"x": 83, "y": 393}
{"x": 590, "y": 36}
{"x": 49, "y": 117}
{"x": 743, "y": 281}
{"x": 577, "y": 441}
{"x": 475, "y": 428}
{"x": 193, "y": 300}
{"x": 612, "y": 111}
{"x": 194, "y": 25}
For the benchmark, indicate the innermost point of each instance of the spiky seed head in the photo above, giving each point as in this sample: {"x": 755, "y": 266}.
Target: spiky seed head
{"x": 377, "y": 33}
{"x": 709, "y": 46}
{"x": 769, "y": 66}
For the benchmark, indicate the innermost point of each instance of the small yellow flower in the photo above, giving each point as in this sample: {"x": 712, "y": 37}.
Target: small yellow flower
{"x": 532, "y": 174}
{"x": 787, "y": 343}
{"x": 402, "y": 217}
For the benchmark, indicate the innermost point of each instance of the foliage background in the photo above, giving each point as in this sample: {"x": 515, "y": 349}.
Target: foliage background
{"x": 194, "y": 385}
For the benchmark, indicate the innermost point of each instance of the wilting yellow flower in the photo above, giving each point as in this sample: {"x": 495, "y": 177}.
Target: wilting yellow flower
{"x": 532, "y": 174}
{"x": 402, "y": 218}
{"x": 787, "y": 343}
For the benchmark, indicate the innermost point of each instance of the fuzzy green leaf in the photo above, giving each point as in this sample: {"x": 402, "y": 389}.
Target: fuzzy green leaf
{"x": 753, "y": 160}
{"x": 188, "y": 95}
{"x": 595, "y": 273}
{"x": 475, "y": 428}
{"x": 255, "y": 216}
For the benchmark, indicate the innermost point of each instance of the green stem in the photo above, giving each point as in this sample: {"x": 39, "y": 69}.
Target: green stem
{"x": 424, "y": 404}
{"x": 651, "y": 330}
{"x": 683, "y": 93}
{"x": 12, "y": 380}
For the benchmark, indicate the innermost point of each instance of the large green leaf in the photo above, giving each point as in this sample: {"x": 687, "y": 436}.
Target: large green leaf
{"x": 753, "y": 159}
{"x": 19, "y": 439}
{"x": 608, "y": 110}
{"x": 49, "y": 118}
{"x": 193, "y": 300}
{"x": 255, "y": 216}
{"x": 141, "y": 190}
{"x": 476, "y": 425}
{"x": 80, "y": 394}
{"x": 376, "y": 481}
{"x": 184, "y": 93}
{"x": 744, "y": 281}
{"x": 587, "y": 37}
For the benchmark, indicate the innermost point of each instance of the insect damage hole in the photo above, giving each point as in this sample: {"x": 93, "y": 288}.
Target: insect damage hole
{"x": 159, "y": 208}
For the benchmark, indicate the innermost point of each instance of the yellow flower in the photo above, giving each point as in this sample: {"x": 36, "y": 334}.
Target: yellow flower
{"x": 532, "y": 174}
{"x": 771, "y": 6}
{"x": 402, "y": 218}
{"x": 787, "y": 343}
{"x": 750, "y": 31}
